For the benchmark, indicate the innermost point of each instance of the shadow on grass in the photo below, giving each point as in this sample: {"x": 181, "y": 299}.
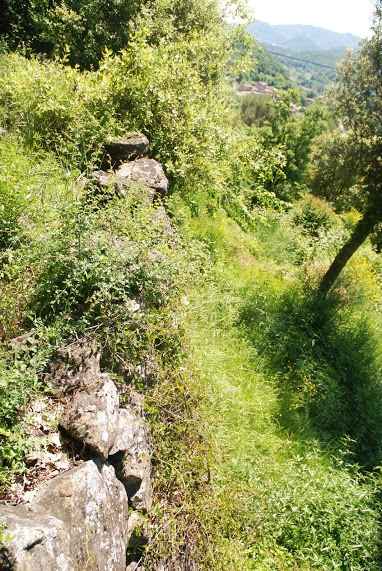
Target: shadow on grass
{"x": 326, "y": 356}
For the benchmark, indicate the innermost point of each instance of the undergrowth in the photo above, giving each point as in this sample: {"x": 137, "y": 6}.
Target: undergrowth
{"x": 264, "y": 403}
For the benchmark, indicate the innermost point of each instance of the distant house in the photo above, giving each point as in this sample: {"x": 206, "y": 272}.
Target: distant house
{"x": 256, "y": 88}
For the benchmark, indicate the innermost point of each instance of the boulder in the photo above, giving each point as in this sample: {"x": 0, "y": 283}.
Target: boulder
{"x": 127, "y": 148}
{"x": 92, "y": 415}
{"x": 75, "y": 366}
{"x": 147, "y": 172}
{"x": 87, "y": 525}
{"x": 34, "y": 542}
{"x": 131, "y": 456}
{"x": 93, "y": 505}
{"x": 3, "y": 132}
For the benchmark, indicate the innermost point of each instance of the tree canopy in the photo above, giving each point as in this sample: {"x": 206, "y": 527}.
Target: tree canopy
{"x": 358, "y": 103}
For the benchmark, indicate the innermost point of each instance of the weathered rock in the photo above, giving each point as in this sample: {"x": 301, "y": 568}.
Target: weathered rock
{"x": 103, "y": 179}
{"x": 75, "y": 365}
{"x": 127, "y": 148}
{"x": 87, "y": 525}
{"x": 93, "y": 505}
{"x": 92, "y": 415}
{"x": 34, "y": 542}
{"x": 132, "y": 458}
{"x": 147, "y": 172}
{"x": 3, "y": 132}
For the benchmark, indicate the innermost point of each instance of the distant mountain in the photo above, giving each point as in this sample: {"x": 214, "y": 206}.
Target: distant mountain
{"x": 298, "y": 38}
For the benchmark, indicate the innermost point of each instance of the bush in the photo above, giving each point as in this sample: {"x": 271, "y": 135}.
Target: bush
{"x": 181, "y": 102}
{"x": 256, "y": 109}
{"x": 314, "y": 215}
{"x": 115, "y": 271}
{"x": 293, "y": 133}
{"x": 83, "y": 31}
{"x": 332, "y": 172}
{"x": 55, "y": 108}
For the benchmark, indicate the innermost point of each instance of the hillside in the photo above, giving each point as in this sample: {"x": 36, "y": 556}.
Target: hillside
{"x": 299, "y": 38}
{"x": 178, "y": 389}
{"x": 299, "y": 48}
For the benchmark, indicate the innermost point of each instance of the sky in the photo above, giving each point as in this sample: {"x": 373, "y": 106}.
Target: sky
{"x": 352, "y": 16}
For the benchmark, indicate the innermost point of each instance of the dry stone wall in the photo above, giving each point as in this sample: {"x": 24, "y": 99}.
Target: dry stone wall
{"x": 84, "y": 517}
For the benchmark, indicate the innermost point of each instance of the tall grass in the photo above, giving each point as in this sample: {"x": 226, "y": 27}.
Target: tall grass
{"x": 286, "y": 491}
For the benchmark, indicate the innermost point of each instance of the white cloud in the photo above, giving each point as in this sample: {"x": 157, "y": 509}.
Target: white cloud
{"x": 339, "y": 15}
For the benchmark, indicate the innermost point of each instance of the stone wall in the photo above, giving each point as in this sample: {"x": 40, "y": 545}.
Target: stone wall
{"x": 92, "y": 484}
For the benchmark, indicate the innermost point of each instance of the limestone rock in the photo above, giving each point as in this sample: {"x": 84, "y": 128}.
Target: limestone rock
{"x": 92, "y": 415}
{"x": 93, "y": 505}
{"x": 132, "y": 458}
{"x": 34, "y": 542}
{"x": 127, "y": 148}
{"x": 87, "y": 525}
{"x": 103, "y": 179}
{"x": 147, "y": 172}
{"x": 75, "y": 365}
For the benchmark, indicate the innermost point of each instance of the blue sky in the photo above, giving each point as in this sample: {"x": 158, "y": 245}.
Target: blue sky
{"x": 339, "y": 15}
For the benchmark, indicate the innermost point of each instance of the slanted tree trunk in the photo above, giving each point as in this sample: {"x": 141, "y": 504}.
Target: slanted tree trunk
{"x": 363, "y": 229}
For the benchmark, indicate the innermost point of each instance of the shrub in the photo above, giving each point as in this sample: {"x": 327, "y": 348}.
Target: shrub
{"x": 292, "y": 133}
{"x": 115, "y": 271}
{"x": 83, "y": 31}
{"x": 256, "y": 109}
{"x": 180, "y": 101}
{"x": 314, "y": 215}
{"x": 332, "y": 172}
{"x": 55, "y": 108}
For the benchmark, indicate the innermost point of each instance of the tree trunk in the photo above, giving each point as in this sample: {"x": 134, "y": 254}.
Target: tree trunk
{"x": 363, "y": 229}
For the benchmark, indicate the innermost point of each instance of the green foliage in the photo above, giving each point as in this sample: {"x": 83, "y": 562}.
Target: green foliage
{"x": 292, "y": 133}
{"x": 83, "y": 31}
{"x": 256, "y": 449}
{"x": 267, "y": 68}
{"x": 358, "y": 97}
{"x": 76, "y": 268}
{"x": 12, "y": 205}
{"x": 333, "y": 171}
{"x": 358, "y": 101}
{"x": 313, "y": 80}
{"x": 55, "y": 107}
{"x": 176, "y": 98}
{"x": 314, "y": 215}
{"x": 256, "y": 109}
{"x": 114, "y": 271}
{"x": 20, "y": 381}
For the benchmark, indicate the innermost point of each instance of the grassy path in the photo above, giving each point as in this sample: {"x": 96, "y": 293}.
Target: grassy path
{"x": 278, "y": 500}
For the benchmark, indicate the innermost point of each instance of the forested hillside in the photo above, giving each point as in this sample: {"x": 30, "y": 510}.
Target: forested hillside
{"x": 302, "y": 38}
{"x": 306, "y": 55}
{"x": 190, "y": 297}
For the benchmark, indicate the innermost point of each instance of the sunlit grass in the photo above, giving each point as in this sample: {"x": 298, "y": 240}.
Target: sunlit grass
{"x": 279, "y": 498}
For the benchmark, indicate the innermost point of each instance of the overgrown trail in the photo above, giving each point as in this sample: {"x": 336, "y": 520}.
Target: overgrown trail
{"x": 279, "y": 499}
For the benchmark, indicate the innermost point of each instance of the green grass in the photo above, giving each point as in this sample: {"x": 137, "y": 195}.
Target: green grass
{"x": 282, "y": 495}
